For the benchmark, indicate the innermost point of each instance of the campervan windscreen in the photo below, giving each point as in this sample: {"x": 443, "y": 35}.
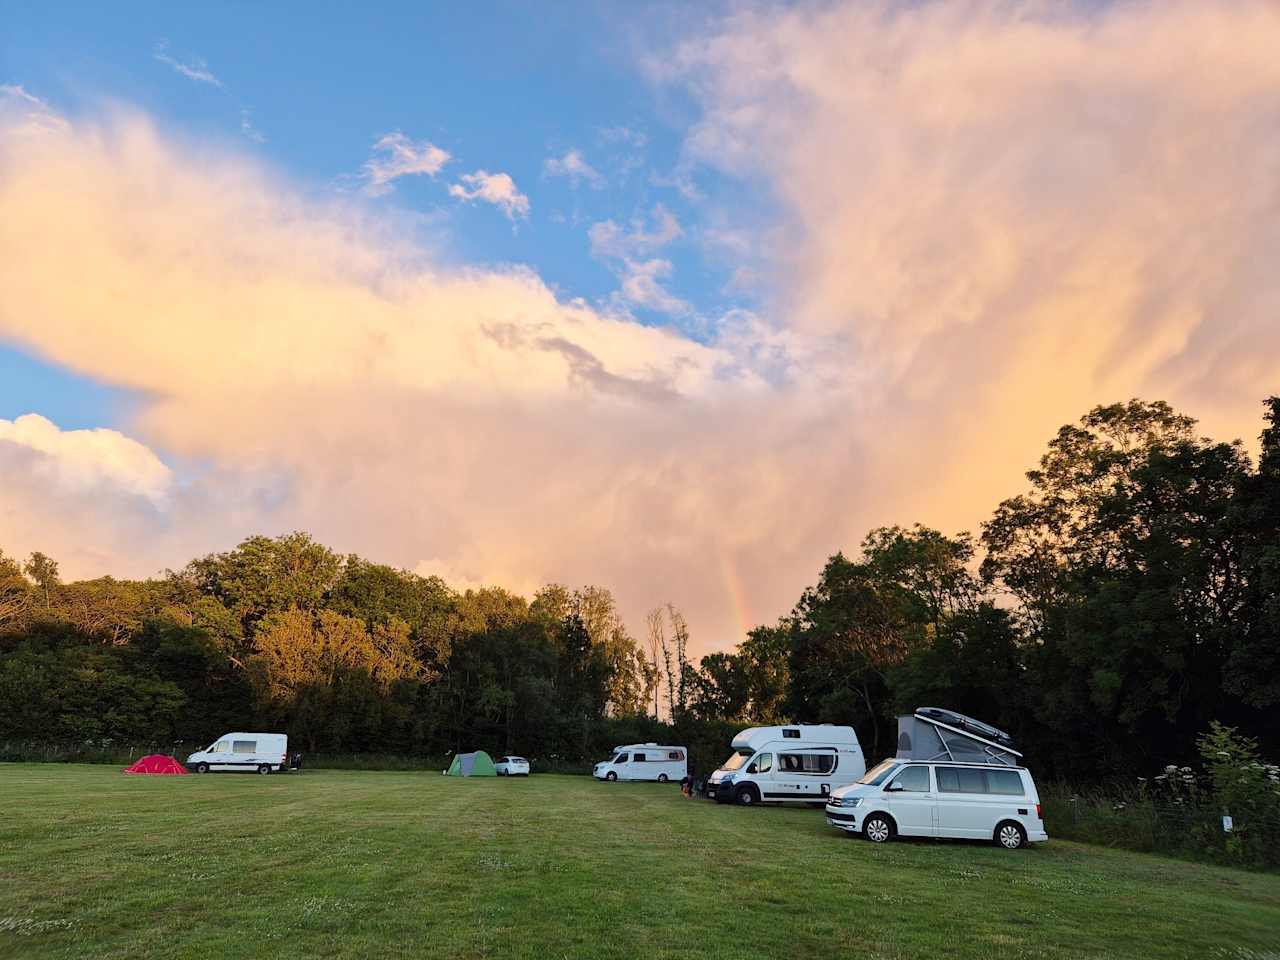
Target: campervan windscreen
{"x": 737, "y": 759}
{"x": 877, "y": 774}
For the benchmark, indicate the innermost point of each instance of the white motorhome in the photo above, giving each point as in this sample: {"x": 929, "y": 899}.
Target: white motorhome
{"x": 248, "y": 752}
{"x": 953, "y": 777}
{"x": 644, "y": 761}
{"x": 794, "y": 763}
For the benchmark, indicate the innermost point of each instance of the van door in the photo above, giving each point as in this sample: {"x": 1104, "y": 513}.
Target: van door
{"x": 911, "y": 801}
{"x": 965, "y": 808}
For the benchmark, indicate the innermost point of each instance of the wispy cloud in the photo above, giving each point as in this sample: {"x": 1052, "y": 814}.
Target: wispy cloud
{"x": 398, "y": 156}
{"x": 496, "y": 188}
{"x": 247, "y": 127}
{"x": 640, "y": 275}
{"x": 624, "y": 135}
{"x": 574, "y": 166}
{"x": 195, "y": 69}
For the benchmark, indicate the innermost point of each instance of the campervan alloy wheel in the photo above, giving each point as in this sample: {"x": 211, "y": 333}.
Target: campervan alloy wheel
{"x": 1010, "y": 835}
{"x": 877, "y": 828}
{"x": 264, "y": 768}
{"x": 611, "y": 775}
{"x": 202, "y": 768}
{"x": 746, "y": 796}
{"x": 662, "y": 778}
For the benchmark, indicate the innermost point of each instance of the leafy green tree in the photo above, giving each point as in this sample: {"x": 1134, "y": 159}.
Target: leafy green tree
{"x": 44, "y": 571}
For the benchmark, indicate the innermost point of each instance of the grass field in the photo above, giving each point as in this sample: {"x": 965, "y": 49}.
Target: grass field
{"x": 352, "y": 864}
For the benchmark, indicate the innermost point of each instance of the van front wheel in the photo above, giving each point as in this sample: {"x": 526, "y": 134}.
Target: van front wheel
{"x": 202, "y": 768}
{"x": 746, "y": 796}
{"x": 1010, "y": 835}
{"x": 611, "y": 776}
{"x": 877, "y": 828}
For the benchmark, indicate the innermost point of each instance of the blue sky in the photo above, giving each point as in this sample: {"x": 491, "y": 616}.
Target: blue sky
{"x": 308, "y": 89}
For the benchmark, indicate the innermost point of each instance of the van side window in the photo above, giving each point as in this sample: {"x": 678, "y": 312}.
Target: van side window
{"x": 764, "y": 763}
{"x": 620, "y": 758}
{"x": 220, "y": 747}
{"x": 675, "y": 755}
{"x": 1005, "y": 782}
{"x": 807, "y": 762}
{"x": 244, "y": 746}
{"x": 961, "y": 780}
{"x": 639, "y": 758}
{"x": 913, "y": 780}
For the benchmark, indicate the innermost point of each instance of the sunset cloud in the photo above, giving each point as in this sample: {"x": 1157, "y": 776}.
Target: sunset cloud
{"x": 573, "y": 165}
{"x": 982, "y": 219}
{"x": 194, "y": 69}
{"x": 495, "y": 188}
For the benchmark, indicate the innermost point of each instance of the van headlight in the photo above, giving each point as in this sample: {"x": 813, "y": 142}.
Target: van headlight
{"x": 848, "y": 801}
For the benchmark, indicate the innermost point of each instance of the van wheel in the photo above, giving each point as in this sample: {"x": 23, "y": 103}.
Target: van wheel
{"x": 202, "y": 768}
{"x": 611, "y": 776}
{"x": 746, "y": 796}
{"x": 1010, "y": 835}
{"x": 877, "y": 828}
{"x": 662, "y": 778}
{"x": 264, "y": 768}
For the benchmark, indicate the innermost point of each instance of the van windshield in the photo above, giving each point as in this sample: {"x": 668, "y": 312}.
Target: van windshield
{"x": 877, "y": 774}
{"x": 737, "y": 759}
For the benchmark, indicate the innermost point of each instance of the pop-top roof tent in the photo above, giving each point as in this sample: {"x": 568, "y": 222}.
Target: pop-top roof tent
{"x": 476, "y": 764}
{"x": 936, "y": 734}
{"x": 157, "y": 763}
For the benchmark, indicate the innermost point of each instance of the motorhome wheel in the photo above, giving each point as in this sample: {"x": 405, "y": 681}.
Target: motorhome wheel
{"x": 611, "y": 775}
{"x": 1010, "y": 835}
{"x": 202, "y": 768}
{"x": 662, "y": 778}
{"x": 877, "y": 828}
{"x": 746, "y": 795}
{"x": 264, "y": 768}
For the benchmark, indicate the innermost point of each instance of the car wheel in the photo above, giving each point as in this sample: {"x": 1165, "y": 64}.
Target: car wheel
{"x": 746, "y": 796}
{"x": 264, "y": 768}
{"x": 877, "y": 828}
{"x": 202, "y": 768}
{"x": 611, "y": 776}
{"x": 1010, "y": 835}
{"x": 662, "y": 778}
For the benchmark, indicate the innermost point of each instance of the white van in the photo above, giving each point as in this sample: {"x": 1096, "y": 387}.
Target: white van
{"x": 797, "y": 763}
{"x": 911, "y": 798}
{"x": 263, "y": 752}
{"x": 644, "y": 761}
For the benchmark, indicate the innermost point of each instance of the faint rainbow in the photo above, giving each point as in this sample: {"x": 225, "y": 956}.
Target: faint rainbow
{"x": 737, "y": 595}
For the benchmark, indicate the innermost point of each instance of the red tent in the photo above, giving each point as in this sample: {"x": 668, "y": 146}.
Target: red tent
{"x": 157, "y": 763}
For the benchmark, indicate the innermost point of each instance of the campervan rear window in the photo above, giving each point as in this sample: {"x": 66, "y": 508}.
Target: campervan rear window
{"x": 675, "y": 755}
{"x": 244, "y": 746}
{"x": 807, "y": 762}
{"x": 1005, "y": 782}
{"x": 969, "y": 780}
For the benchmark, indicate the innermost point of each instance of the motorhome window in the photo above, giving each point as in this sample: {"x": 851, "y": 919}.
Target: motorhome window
{"x": 764, "y": 763}
{"x": 620, "y": 758}
{"x": 675, "y": 755}
{"x": 220, "y": 747}
{"x": 913, "y": 780}
{"x": 639, "y": 758}
{"x": 961, "y": 780}
{"x": 244, "y": 746}
{"x": 807, "y": 762}
{"x": 1005, "y": 782}
{"x": 877, "y": 774}
{"x": 736, "y": 760}
{"x": 791, "y": 734}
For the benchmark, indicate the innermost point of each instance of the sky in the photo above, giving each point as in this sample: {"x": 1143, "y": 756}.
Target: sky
{"x": 680, "y": 303}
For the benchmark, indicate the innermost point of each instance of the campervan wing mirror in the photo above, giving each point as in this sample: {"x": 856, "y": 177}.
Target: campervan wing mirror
{"x": 894, "y": 787}
{"x": 751, "y": 767}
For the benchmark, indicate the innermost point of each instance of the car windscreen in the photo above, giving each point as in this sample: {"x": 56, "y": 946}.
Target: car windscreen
{"x": 877, "y": 774}
{"x": 737, "y": 759}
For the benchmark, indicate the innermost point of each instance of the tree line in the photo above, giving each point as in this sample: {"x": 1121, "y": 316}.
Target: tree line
{"x": 1104, "y": 616}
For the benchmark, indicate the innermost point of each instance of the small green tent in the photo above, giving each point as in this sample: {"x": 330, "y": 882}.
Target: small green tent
{"x": 476, "y": 764}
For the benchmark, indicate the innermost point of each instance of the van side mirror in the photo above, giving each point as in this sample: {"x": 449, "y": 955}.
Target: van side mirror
{"x": 752, "y": 769}
{"x": 894, "y": 787}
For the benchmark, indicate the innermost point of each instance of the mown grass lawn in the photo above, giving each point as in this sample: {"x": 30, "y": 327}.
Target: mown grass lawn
{"x": 353, "y": 864}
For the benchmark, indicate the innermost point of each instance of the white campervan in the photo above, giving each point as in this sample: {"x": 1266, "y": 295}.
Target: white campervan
{"x": 263, "y": 752}
{"x": 644, "y": 761}
{"x": 796, "y": 763}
